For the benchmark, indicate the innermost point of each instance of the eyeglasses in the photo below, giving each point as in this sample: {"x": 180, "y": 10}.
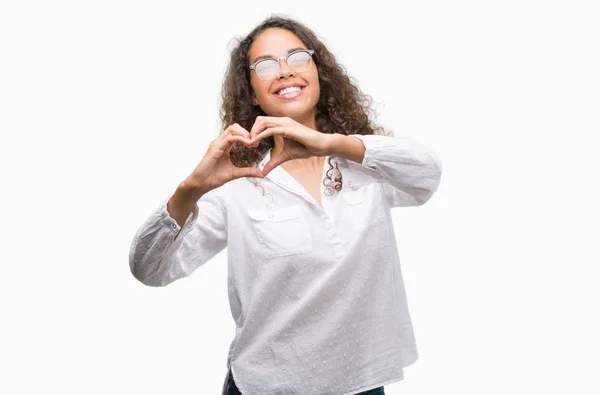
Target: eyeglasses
{"x": 297, "y": 61}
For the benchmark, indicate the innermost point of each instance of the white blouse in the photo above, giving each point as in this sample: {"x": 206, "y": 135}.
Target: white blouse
{"x": 317, "y": 294}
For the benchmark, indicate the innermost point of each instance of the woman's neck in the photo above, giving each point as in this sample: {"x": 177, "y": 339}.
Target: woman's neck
{"x": 314, "y": 163}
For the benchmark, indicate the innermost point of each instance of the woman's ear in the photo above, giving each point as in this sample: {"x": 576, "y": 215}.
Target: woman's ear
{"x": 254, "y": 99}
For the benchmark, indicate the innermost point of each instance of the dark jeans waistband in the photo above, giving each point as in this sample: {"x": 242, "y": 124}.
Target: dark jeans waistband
{"x": 231, "y": 389}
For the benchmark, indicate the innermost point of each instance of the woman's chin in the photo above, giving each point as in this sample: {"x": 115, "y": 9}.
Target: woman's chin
{"x": 297, "y": 113}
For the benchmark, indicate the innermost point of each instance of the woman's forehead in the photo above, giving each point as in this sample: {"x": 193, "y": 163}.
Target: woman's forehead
{"x": 276, "y": 42}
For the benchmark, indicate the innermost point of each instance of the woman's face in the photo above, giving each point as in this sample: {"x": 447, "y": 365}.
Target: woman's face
{"x": 300, "y": 106}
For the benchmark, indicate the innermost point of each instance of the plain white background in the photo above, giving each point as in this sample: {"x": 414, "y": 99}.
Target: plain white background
{"x": 106, "y": 106}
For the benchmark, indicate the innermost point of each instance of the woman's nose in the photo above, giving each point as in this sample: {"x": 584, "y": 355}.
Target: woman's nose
{"x": 284, "y": 70}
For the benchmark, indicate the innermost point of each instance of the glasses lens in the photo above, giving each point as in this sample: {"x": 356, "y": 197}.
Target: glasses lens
{"x": 299, "y": 61}
{"x": 267, "y": 69}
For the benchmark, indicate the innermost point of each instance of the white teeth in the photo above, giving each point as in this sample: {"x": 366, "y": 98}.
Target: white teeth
{"x": 288, "y": 90}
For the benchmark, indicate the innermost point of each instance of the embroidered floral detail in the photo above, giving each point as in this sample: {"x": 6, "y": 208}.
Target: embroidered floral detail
{"x": 333, "y": 180}
{"x": 268, "y": 197}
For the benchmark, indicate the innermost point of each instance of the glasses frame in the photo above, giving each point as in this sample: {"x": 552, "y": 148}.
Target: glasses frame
{"x": 311, "y": 52}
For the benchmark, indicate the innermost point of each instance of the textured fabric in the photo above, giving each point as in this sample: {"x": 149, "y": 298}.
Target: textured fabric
{"x": 316, "y": 294}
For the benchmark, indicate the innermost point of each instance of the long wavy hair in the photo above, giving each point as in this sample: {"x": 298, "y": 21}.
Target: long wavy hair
{"x": 342, "y": 107}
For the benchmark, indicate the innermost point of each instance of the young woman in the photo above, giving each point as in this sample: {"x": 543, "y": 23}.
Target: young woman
{"x": 299, "y": 187}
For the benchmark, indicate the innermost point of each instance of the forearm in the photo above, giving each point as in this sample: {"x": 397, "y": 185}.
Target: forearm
{"x": 409, "y": 167}
{"x": 346, "y": 147}
{"x": 162, "y": 251}
{"x": 181, "y": 204}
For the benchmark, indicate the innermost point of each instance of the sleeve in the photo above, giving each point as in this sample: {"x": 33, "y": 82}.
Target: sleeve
{"x": 409, "y": 171}
{"x": 162, "y": 251}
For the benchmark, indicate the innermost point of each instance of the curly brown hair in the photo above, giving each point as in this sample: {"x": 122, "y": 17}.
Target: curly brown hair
{"x": 342, "y": 107}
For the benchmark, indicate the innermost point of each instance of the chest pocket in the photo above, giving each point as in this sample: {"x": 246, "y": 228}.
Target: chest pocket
{"x": 354, "y": 196}
{"x": 368, "y": 215}
{"x": 281, "y": 232}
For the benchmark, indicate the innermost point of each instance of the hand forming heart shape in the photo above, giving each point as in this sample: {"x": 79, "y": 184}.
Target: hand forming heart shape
{"x": 292, "y": 139}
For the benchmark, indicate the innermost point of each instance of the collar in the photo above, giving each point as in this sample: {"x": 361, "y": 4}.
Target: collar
{"x": 284, "y": 179}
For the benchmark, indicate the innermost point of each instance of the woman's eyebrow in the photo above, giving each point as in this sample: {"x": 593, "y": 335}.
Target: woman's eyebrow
{"x": 273, "y": 56}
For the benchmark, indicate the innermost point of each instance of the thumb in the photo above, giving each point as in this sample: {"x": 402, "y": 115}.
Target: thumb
{"x": 273, "y": 163}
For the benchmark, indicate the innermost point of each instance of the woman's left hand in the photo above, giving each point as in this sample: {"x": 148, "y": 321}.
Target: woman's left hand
{"x": 292, "y": 140}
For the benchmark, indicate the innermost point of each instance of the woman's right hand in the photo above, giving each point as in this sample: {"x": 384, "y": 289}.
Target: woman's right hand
{"x": 215, "y": 168}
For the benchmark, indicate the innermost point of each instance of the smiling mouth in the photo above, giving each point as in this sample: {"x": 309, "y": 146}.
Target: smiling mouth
{"x": 289, "y": 92}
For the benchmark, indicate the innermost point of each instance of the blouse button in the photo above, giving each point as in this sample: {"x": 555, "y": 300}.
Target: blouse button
{"x": 349, "y": 182}
{"x": 270, "y": 215}
{"x": 174, "y": 226}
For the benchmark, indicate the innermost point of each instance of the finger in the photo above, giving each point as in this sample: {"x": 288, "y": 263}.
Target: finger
{"x": 258, "y": 124}
{"x": 230, "y": 139}
{"x": 269, "y": 131}
{"x": 261, "y": 123}
{"x": 241, "y": 131}
{"x": 273, "y": 163}
{"x": 233, "y": 130}
{"x": 237, "y": 129}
